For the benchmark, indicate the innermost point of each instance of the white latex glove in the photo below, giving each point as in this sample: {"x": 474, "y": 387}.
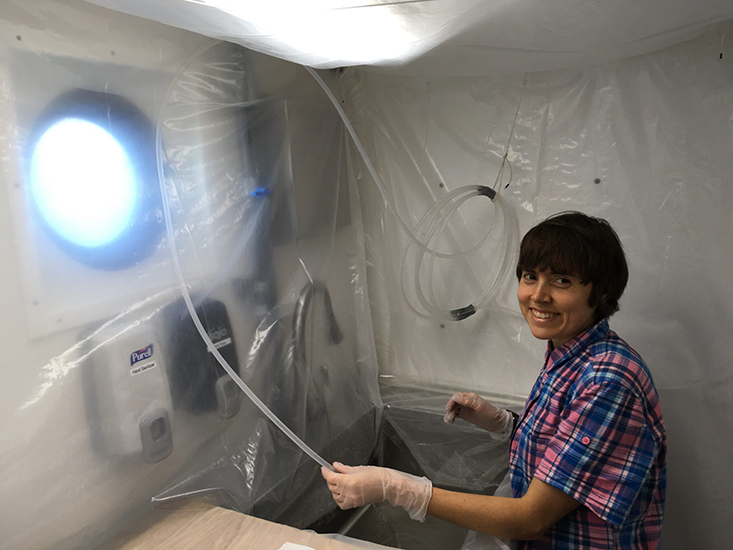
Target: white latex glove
{"x": 476, "y": 410}
{"x": 354, "y": 486}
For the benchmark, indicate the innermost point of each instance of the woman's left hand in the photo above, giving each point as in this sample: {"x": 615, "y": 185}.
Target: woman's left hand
{"x": 354, "y": 486}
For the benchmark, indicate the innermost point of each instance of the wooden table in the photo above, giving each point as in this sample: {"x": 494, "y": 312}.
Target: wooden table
{"x": 201, "y": 526}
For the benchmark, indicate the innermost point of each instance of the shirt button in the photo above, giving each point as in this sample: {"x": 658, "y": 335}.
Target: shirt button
{"x": 586, "y": 440}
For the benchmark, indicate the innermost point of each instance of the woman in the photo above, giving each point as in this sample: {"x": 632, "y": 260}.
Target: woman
{"x": 587, "y": 458}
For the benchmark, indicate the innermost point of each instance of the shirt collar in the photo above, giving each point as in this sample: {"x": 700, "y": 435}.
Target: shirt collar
{"x": 576, "y": 345}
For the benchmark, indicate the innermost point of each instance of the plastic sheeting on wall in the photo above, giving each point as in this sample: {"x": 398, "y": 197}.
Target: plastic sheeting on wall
{"x": 644, "y": 143}
{"x": 109, "y": 396}
{"x": 440, "y": 37}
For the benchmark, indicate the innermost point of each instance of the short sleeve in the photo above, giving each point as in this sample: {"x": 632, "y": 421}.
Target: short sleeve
{"x": 602, "y": 451}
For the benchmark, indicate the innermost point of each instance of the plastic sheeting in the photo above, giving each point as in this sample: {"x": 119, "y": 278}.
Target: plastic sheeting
{"x": 440, "y": 37}
{"x": 110, "y": 399}
{"x": 457, "y": 457}
{"x": 644, "y": 143}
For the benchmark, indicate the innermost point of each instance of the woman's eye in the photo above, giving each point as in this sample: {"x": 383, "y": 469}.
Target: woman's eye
{"x": 563, "y": 280}
{"x": 528, "y": 276}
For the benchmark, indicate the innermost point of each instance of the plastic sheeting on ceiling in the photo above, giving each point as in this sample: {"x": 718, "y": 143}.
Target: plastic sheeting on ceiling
{"x": 440, "y": 37}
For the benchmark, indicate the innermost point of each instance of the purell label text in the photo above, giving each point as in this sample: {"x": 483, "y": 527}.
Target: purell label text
{"x": 141, "y": 354}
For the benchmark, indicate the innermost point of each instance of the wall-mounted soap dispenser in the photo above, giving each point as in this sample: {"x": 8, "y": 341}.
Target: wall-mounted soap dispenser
{"x": 127, "y": 396}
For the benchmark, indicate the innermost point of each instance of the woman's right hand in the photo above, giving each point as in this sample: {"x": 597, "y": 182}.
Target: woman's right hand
{"x": 353, "y": 486}
{"x": 476, "y": 410}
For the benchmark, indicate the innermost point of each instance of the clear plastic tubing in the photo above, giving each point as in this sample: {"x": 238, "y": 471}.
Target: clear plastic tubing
{"x": 184, "y": 288}
{"x": 187, "y": 296}
{"x": 361, "y": 149}
{"x": 430, "y": 229}
{"x": 436, "y": 219}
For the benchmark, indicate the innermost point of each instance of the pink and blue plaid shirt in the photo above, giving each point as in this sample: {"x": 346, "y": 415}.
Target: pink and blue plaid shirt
{"x": 593, "y": 428}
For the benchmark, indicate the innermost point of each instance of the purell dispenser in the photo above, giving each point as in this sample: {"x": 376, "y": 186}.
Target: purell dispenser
{"x": 129, "y": 403}
{"x": 198, "y": 383}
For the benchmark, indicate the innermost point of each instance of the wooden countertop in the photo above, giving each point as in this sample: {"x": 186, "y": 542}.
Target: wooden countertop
{"x": 201, "y": 526}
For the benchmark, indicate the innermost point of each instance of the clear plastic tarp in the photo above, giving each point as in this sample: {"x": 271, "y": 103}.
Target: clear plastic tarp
{"x": 644, "y": 143}
{"x": 111, "y": 401}
{"x": 458, "y": 457}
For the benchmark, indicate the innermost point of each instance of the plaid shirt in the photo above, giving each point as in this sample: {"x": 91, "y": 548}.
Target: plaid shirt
{"x": 593, "y": 428}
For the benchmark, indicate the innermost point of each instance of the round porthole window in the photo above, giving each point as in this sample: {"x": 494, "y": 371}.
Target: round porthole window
{"x": 92, "y": 179}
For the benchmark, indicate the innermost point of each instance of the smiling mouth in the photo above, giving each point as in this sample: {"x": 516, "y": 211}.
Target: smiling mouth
{"x": 543, "y": 315}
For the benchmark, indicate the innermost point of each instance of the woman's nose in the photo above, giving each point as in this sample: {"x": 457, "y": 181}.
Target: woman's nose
{"x": 540, "y": 292}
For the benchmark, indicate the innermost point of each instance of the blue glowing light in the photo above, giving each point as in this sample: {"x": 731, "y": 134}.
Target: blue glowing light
{"x": 83, "y": 183}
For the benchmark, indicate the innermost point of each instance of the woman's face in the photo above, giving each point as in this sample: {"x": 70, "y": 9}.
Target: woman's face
{"x": 554, "y": 305}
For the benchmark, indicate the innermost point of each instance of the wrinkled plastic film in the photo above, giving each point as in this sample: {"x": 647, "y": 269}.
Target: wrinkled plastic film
{"x": 641, "y": 142}
{"x": 638, "y": 142}
{"x": 423, "y": 239}
{"x": 192, "y": 311}
{"x": 457, "y": 457}
{"x": 67, "y": 436}
{"x": 268, "y": 243}
{"x": 285, "y": 233}
{"x": 457, "y": 38}
{"x": 202, "y": 331}
{"x": 364, "y": 156}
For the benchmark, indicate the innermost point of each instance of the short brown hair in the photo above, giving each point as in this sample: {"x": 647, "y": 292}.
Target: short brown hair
{"x": 575, "y": 244}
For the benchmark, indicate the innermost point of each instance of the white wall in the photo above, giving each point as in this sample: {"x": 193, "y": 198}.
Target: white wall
{"x": 54, "y": 486}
